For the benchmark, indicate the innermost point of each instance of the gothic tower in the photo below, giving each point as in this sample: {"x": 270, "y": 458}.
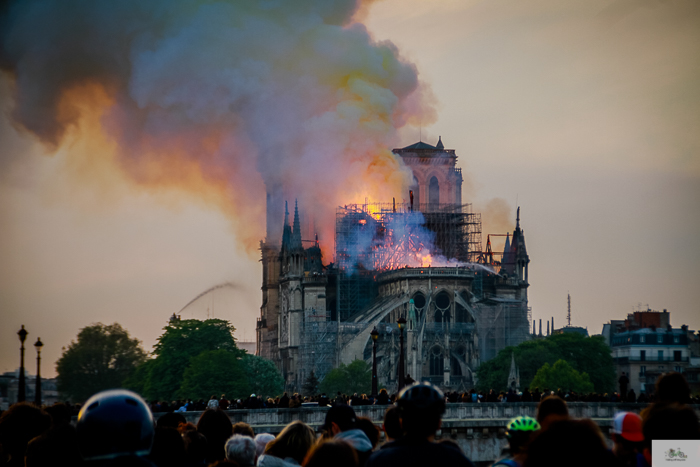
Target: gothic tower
{"x": 436, "y": 179}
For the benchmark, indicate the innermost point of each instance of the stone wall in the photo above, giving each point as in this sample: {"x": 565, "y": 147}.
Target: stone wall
{"x": 477, "y": 428}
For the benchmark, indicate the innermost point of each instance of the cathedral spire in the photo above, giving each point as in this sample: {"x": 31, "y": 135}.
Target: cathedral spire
{"x": 439, "y": 144}
{"x": 296, "y": 230}
{"x": 514, "y": 376}
{"x": 286, "y": 230}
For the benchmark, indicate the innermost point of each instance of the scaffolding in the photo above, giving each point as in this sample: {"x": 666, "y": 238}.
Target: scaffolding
{"x": 377, "y": 237}
{"x": 501, "y": 323}
{"x": 386, "y": 236}
{"x": 317, "y": 347}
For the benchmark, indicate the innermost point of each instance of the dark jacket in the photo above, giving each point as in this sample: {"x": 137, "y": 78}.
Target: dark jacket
{"x": 410, "y": 452}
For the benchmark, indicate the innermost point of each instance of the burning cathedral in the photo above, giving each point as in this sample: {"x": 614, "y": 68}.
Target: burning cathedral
{"x": 422, "y": 260}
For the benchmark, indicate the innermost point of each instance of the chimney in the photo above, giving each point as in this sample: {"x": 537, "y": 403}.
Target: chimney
{"x": 540, "y": 326}
{"x": 547, "y": 327}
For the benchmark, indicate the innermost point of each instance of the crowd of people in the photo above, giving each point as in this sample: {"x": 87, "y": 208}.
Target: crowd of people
{"x": 117, "y": 428}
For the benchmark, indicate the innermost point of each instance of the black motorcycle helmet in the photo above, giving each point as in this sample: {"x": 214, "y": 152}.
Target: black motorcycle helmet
{"x": 421, "y": 406}
{"x": 115, "y": 423}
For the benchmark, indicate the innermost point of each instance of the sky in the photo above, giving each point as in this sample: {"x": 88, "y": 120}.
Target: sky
{"x": 585, "y": 114}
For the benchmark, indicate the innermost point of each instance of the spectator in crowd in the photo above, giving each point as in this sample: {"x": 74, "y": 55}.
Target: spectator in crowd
{"x": 261, "y": 441}
{"x": 369, "y": 429}
{"x": 242, "y": 428}
{"x": 574, "y": 443}
{"x": 115, "y": 427}
{"x": 171, "y": 420}
{"x": 672, "y": 387}
{"x": 18, "y": 425}
{"x": 551, "y": 409}
{"x": 627, "y": 438}
{"x": 223, "y": 402}
{"x": 392, "y": 424}
{"x": 216, "y": 426}
{"x": 383, "y": 397}
{"x": 668, "y": 421}
{"x": 290, "y": 447}
{"x": 421, "y": 408}
{"x": 58, "y": 446}
{"x": 195, "y": 448}
{"x": 168, "y": 448}
{"x": 242, "y": 450}
{"x": 519, "y": 432}
{"x": 213, "y": 403}
{"x": 284, "y": 401}
{"x": 332, "y": 452}
{"x": 624, "y": 381}
{"x": 341, "y": 424}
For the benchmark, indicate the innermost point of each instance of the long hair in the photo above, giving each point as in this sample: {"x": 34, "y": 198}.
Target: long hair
{"x": 294, "y": 441}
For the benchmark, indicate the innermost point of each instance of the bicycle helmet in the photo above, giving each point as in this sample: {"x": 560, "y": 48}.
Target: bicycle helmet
{"x": 115, "y": 423}
{"x": 519, "y": 425}
{"x": 422, "y": 396}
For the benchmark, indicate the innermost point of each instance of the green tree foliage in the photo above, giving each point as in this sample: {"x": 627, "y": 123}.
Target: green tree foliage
{"x": 348, "y": 379}
{"x": 102, "y": 357}
{"x": 562, "y": 376}
{"x": 310, "y": 386}
{"x": 180, "y": 342}
{"x": 585, "y": 354}
{"x": 263, "y": 376}
{"x": 215, "y": 372}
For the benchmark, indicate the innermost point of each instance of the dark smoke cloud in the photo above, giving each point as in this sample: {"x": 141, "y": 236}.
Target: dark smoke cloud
{"x": 293, "y": 90}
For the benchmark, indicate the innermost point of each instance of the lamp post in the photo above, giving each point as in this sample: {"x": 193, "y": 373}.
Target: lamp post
{"x": 37, "y": 392}
{"x": 375, "y": 336}
{"x": 21, "y": 395}
{"x": 402, "y": 378}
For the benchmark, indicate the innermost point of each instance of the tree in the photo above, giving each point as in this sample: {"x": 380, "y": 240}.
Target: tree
{"x": 562, "y": 376}
{"x": 263, "y": 376}
{"x": 310, "y": 386}
{"x": 215, "y": 372}
{"x": 349, "y": 379}
{"x": 179, "y": 343}
{"x": 102, "y": 357}
{"x": 585, "y": 354}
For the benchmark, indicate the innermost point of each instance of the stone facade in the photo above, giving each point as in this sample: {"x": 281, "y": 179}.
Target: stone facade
{"x": 315, "y": 317}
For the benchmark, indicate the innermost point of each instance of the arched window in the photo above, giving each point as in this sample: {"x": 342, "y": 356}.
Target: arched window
{"x": 438, "y": 316}
{"x": 462, "y": 315}
{"x": 434, "y": 191}
{"x": 442, "y": 300}
{"x": 419, "y": 300}
{"x": 416, "y": 192}
{"x": 437, "y": 363}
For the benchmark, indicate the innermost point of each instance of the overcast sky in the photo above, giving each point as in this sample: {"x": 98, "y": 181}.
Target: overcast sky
{"x": 586, "y": 114}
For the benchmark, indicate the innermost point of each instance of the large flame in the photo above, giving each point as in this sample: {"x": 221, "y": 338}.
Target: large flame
{"x": 222, "y": 100}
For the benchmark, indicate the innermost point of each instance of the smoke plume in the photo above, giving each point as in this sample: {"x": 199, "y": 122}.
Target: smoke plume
{"x": 223, "y": 99}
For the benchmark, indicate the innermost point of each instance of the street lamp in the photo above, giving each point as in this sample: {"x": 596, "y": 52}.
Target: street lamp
{"x": 375, "y": 336}
{"x": 402, "y": 379}
{"x": 37, "y": 392}
{"x": 21, "y": 396}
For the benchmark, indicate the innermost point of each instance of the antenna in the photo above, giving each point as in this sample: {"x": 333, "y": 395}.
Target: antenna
{"x": 420, "y": 130}
{"x": 568, "y": 314}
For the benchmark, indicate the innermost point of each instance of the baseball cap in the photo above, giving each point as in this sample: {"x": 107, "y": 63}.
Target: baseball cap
{"x": 629, "y": 426}
{"x": 343, "y": 415}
